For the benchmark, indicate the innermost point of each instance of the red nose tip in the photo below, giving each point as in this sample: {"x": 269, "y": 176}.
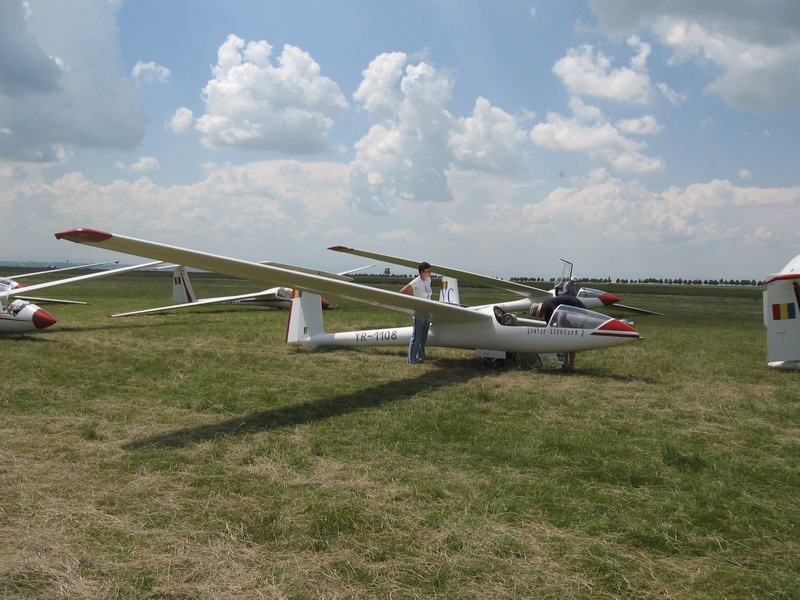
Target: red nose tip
{"x": 609, "y": 299}
{"x": 43, "y": 319}
{"x": 616, "y": 328}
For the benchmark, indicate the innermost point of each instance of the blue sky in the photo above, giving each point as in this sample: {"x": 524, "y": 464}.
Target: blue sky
{"x": 632, "y": 138}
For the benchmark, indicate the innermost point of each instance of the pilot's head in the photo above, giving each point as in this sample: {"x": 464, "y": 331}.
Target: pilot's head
{"x": 537, "y": 310}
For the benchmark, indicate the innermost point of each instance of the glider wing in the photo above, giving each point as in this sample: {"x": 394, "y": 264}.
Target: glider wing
{"x": 508, "y": 286}
{"x": 218, "y": 300}
{"x": 275, "y": 276}
{"x": 40, "y": 286}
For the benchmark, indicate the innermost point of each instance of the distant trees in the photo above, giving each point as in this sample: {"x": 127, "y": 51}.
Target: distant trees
{"x": 653, "y": 280}
{"x": 391, "y": 277}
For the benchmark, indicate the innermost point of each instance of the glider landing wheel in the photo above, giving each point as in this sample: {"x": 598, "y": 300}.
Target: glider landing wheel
{"x": 495, "y": 363}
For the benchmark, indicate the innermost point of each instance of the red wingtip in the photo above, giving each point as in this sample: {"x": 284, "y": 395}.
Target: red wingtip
{"x": 339, "y": 248}
{"x": 83, "y": 236}
{"x": 608, "y": 299}
{"x": 42, "y": 319}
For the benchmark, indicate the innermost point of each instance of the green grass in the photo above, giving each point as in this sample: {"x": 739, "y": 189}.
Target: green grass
{"x": 195, "y": 455}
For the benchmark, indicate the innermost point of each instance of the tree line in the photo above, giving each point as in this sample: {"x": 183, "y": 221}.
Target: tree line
{"x": 653, "y": 280}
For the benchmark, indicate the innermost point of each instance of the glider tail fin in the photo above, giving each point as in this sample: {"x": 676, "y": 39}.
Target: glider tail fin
{"x": 305, "y": 319}
{"x": 782, "y": 319}
{"x": 449, "y": 291}
{"x": 182, "y": 292}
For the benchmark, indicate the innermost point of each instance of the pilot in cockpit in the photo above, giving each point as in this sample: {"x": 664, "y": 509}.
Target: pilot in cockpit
{"x": 544, "y": 310}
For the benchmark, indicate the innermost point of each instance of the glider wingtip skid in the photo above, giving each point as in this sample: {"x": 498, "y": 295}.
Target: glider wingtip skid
{"x": 83, "y": 236}
{"x": 340, "y": 248}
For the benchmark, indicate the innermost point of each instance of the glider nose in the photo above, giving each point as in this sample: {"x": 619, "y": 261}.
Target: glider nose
{"x": 617, "y": 328}
{"x": 608, "y": 299}
{"x": 42, "y": 319}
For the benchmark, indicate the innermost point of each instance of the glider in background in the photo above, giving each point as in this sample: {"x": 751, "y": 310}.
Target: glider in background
{"x": 782, "y": 317}
{"x": 21, "y": 316}
{"x": 275, "y": 298}
{"x": 7, "y": 283}
{"x": 483, "y": 329}
{"x": 590, "y": 297}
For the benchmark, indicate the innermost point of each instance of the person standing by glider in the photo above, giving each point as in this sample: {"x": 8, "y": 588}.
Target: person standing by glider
{"x": 420, "y": 287}
{"x": 569, "y": 288}
{"x": 544, "y": 310}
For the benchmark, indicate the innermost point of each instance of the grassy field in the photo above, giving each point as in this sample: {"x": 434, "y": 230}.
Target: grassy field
{"x": 195, "y": 455}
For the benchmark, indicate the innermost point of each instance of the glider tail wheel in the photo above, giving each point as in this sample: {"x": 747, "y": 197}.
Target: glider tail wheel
{"x": 495, "y": 363}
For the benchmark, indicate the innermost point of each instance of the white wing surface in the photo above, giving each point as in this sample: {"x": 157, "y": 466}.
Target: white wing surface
{"x": 509, "y": 286}
{"x": 218, "y": 300}
{"x": 51, "y": 300}
{"x": 51, "y": 271}
{"x": 275, "y": 276}
{"x": 40, "y": 286}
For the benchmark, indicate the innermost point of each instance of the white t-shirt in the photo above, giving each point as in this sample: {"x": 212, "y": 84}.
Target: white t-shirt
{"x": 421, "y": 289}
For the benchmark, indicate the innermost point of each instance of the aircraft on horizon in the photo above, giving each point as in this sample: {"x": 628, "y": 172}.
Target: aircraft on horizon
{"x": 590, "y": 297}
{"x": 22, "y": 316}
{"x": 782, "y": 317}
{"x": 482, "y": 329}
{"x": 276, "y": 298}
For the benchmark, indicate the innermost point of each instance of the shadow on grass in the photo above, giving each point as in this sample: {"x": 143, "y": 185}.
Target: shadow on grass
{"x": 453, "y": 372}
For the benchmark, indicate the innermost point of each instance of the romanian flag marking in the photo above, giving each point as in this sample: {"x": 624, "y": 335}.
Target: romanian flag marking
{"x": 784, "y": 311}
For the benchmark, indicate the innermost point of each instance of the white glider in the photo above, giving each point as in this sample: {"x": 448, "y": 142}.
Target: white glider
{"x": 8, "y": 283}
{"x": 590, "y": 297}
{"x": 453, "y": 326}
{"x": 275, "y": 298}
{"x": 782, "y": 317}
{"x": 21, "y": 316}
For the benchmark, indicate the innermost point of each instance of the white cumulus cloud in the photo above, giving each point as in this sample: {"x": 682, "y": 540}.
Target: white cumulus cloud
{"x": 755, "y": 45}
{"x": 181, "y": 120}
{"x": 415, "y": 141}
{"x": 586, "y": 71}
{"x": 151, "y": 72}
{"x": 62, "y": 81}
{"x": 252, "y": 104}
{"x": 489, "y": 140}
{"x": 145, "y": 164}
{"x": 589, "y": 131}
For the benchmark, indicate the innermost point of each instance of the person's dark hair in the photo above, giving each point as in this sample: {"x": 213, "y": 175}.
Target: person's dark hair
{"x": 423, "y": 266}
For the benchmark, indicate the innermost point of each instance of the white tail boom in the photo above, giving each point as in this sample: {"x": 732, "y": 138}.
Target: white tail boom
{"x": 782, "y": 317}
